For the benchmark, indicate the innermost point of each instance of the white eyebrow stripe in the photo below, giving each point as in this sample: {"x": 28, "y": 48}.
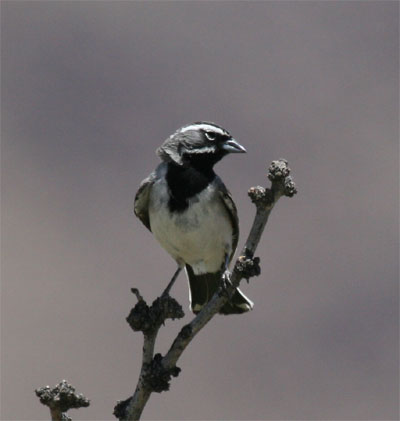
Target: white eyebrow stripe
{"x": 205, "y": 127}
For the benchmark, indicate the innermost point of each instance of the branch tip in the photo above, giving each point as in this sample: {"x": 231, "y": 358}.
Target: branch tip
{"x": 261, "y": 196}
{"x": 143, "y": 318}
{"x": 166, "y": 307}
{"x": 278, "y": 170}
{"x": 60, "y": 399}
{"x": 136, "y": 292}
{"x": 279, "y": 175}
{"x": 290, "y": 187}
{"x": 248, "y": 267}
{"x": 138, "y": 318}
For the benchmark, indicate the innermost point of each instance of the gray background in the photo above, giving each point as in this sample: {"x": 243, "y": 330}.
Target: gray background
{"x": 89, "y": 90}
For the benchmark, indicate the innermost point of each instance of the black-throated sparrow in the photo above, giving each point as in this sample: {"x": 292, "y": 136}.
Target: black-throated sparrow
{"x": 191, "y": 213}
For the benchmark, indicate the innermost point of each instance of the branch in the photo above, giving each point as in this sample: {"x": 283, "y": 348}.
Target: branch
{"x": 153, "y": 377}
{"x": 60, "y": 399}
{"x": 157, "y": 371}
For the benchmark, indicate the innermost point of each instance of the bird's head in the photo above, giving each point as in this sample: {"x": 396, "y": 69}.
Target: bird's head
{"x": 200, "y": 143}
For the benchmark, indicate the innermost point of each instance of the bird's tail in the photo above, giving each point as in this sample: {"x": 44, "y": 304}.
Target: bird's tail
{"x": 202, "y": 288}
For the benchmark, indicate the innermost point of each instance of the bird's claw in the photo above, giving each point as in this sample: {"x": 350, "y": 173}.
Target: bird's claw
{"x": 226, "y": 282}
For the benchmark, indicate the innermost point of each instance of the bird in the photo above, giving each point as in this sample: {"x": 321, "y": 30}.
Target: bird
{"x": 192, "y": 214}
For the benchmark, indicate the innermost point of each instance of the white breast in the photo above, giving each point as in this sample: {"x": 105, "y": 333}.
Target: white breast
{"x": 200, "y": 236}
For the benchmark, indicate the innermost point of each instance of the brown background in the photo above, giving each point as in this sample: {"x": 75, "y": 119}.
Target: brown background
{"x": 90, "y": 89}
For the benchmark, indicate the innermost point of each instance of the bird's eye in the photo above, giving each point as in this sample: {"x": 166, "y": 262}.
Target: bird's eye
{"x": 211, "y": 135}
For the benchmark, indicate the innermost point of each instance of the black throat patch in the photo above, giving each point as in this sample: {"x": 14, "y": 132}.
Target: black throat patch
{"x": 186, "y": 182}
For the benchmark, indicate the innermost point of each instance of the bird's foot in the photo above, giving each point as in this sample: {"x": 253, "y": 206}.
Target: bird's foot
{"x": 226, "y": 282}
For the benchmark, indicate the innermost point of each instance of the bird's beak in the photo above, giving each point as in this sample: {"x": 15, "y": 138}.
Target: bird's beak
{"x": 231, "y": 145}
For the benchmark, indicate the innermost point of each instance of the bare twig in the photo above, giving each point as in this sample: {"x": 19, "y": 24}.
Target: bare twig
{"x": 156, "y": 371}
{"x": 60, "y": 399}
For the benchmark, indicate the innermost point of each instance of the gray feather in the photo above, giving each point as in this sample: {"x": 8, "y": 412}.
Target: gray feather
{"x": 232, "y": 211}
{"x": 141, "y": 204}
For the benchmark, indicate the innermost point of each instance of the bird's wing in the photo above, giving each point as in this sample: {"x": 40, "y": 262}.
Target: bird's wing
{"x": 232, "y": 211}
{"x": 141, "y": 205}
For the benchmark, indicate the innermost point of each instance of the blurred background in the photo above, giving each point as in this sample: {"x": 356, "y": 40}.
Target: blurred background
{"x": 90, "y": 90}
